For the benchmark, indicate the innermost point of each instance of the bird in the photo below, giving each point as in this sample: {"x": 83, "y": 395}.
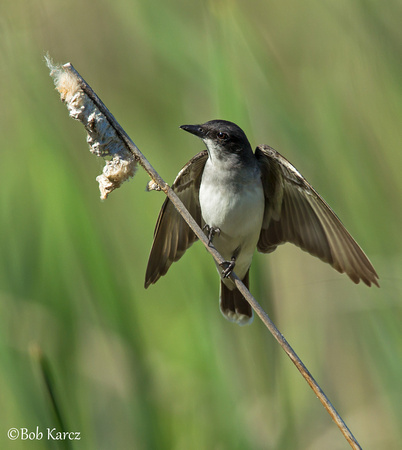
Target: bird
{"x": 245, "y": 200}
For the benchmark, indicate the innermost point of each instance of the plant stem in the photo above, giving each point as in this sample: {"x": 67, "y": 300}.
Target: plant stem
{"x": 218, "y": 258}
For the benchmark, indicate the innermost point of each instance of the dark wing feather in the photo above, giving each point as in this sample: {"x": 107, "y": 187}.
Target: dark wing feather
{"x": 296, "y": 213}
{"x": 172, "y": 235}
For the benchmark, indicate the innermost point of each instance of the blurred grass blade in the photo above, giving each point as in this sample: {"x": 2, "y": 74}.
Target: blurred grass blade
{"x": 50, "y": 387}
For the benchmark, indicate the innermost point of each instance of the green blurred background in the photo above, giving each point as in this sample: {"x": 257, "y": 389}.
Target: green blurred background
{"x": 161, "y": 368}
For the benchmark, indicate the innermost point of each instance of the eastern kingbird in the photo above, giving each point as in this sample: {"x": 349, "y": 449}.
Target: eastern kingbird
{"x": 245, "y": 200}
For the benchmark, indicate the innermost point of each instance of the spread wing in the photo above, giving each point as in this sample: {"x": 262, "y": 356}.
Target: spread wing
{"x": 172, "y": 235}
{"x": 296, "y": 213}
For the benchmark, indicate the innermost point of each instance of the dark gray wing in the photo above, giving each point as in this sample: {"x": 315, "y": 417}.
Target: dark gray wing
{"x": 172, "y": 235}
{"x": 296, "y": 213}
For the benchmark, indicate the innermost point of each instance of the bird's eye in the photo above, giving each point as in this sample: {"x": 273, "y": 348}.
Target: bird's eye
{"x": 223, "y": 136}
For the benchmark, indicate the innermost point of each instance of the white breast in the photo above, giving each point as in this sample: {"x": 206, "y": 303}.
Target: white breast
{"x": 234, "y": 203}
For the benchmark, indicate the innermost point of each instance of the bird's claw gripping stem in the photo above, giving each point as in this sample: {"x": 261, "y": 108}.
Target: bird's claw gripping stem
{"x": 226, "y": 272}
{"x": 211, "y": 231}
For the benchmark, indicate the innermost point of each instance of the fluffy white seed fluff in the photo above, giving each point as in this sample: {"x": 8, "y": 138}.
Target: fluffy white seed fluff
{"x": 101, "y": 136}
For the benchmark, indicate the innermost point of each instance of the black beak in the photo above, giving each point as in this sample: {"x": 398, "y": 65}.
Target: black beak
{"x": 194, "y": 129}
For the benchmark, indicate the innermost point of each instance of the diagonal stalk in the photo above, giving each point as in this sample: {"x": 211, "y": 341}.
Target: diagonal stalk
{"x": 142, "y": 160}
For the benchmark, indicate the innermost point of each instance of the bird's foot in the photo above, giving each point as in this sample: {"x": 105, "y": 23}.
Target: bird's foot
{"x": 226, "y": 272}
{"x": 211, "y": 231}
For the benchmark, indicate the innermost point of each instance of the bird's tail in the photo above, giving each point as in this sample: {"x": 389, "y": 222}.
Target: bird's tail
{"x": 234, "y": 306}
